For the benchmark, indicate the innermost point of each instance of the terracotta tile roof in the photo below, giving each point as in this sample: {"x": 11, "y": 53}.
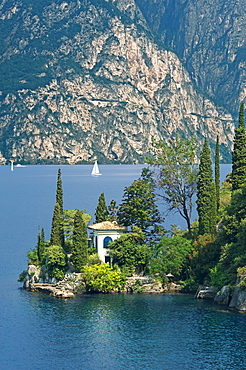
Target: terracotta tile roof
{"x": 107, "y": 225}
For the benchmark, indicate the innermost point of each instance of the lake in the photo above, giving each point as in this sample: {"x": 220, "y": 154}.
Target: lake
{"x": 120, "y": 331}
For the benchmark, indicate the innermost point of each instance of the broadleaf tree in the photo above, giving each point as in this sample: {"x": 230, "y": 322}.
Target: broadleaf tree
{"x": 130, "y": 252}
{"x": 176, "y": 174}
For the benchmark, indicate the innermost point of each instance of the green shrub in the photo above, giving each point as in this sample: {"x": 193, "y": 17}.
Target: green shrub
{"x": 33, "y": 257}
{"x": 57, "y": 273}
{"x": 101, "y": 278}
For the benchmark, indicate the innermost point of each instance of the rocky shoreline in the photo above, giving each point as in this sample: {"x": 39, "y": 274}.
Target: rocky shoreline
{"x": 72, "y": 284}
{"x": 234, "y": 298}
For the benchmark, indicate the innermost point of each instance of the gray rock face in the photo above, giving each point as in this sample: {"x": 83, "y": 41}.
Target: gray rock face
{"x": 60, "y": 289}
{"x": 238, "y": 301}
{"x": 223, "y": 296}
{"x": 32, "y": 277}
{"x": 206, "y": 292}
{"x": 209, "y": 37}
{"x": 86, "y": 79}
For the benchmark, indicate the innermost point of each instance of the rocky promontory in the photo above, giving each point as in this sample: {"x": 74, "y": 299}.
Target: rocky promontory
{"x": 73, "y": 284}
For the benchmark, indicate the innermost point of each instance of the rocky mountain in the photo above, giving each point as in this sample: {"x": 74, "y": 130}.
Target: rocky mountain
{"x": 209, "y": 38}
{"x": 86, "y": 78}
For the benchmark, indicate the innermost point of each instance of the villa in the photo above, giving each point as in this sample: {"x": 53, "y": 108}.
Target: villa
{"x": 102, "y": 234}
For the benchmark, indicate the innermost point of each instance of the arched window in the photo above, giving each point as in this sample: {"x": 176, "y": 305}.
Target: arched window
{"x": 106, "y": 242}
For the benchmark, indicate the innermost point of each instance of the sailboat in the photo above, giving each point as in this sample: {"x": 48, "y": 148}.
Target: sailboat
{"x": 95, "y": 170}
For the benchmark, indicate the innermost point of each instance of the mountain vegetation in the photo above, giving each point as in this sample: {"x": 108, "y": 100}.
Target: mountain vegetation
{"x": 87, "y": 79}
{"x": 209, "y": 38}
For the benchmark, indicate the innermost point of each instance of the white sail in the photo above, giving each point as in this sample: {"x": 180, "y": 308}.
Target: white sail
{"x": 95, "y": 170}
{"x": 12, "y": 165}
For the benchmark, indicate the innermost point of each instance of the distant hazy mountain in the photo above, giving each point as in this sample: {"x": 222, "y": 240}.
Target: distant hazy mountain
{"x": 85, "y": 79}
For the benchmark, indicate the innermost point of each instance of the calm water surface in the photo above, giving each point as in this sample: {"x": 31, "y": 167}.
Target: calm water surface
{"x": 97, "y": 331}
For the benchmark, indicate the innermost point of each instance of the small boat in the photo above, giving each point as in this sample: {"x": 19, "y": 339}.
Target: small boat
{"x": 12, "y": 165}
{"x": 95, "y": 170}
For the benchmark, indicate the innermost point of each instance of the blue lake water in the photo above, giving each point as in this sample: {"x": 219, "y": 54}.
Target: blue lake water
{"x": 98, "y": 331}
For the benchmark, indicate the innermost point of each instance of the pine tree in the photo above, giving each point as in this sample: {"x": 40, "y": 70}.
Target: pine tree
{"x": 217, "y": 173}
{"x": 239, "y": 153}
{"x": 101, "y": 210}
{"x": 112, "y": 211}
{"x": 206, "y": 197}
{"x": 57, "y": 235}
{"x": 138, "y": 207}
{"x": 80, "y": 242}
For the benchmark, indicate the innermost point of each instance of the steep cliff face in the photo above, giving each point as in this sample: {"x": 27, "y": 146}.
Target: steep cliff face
{"x": 81, "y": 79}
{"x": 210, "y": 39}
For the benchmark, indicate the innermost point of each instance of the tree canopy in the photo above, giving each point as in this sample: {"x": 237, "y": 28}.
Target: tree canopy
{"x": 101, "y": 210}
{"x": 176, "y": 174}
{"x": 79, "y": 255}
{"x": 138, "y": 207}
{"x": 129, "y": 251}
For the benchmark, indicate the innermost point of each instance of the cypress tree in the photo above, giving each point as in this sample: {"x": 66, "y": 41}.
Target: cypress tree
{"x": 206, "y": 198}
{"x": 79, "y": 255}
{"x": 217, "y": 174}
{"x": 59, "y": 192}
{"x": 57, "y": 235}
{"x": 101, "y": 210}
{"x": 239, "y": 153}
{"x": 41, "y": 245}
{"x": 59, "y": 200}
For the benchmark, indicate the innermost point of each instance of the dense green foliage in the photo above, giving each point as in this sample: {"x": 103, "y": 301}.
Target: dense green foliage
{"x": 172, "y": 256}
{"x": 206, "y": 253}
{"x": 56, "y": 261}
{"x": 177, "y": 175}
{"x": 101, "y": 210}
{"x": 57, "y": 235}
{"x": 129, "y": 251}
{"x": 138, "y": 207}
{"x": 239, "y": 153}
{"x": 41, "y": 245}
{"x": 101, "y": 278}
{"x": 206, "y": 197}
{"x": 79, "y": 255}
{"x": 68, "y": 225}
